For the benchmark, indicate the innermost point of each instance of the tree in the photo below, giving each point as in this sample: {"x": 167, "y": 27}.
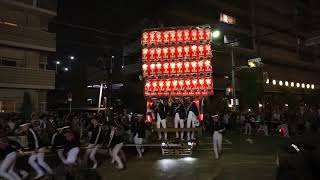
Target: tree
{"x": 26, "y": 107}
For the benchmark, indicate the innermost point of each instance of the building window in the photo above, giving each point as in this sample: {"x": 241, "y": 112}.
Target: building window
{"x": 2, "y": 21}
{"x": 229, "y": 40}
{"x": 7, "y": 106}
{"x": 227, "y": 19}
{"x": 8, "y": 63}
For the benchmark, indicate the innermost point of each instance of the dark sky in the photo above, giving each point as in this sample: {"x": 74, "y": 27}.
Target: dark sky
{"x": 111, "y": 15}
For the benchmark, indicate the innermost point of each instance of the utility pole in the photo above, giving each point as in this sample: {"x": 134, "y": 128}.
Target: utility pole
{"x": 109, "y": 87}
{"x": 100, "y": 96}
{"x": 233, "y": 78}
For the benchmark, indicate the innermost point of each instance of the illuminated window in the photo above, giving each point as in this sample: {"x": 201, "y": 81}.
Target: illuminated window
{"x": 10, "y": 23}
{"x": 7, "y": 106}
{"x": 227, "y": 19}
{"x": 230, "y": 40}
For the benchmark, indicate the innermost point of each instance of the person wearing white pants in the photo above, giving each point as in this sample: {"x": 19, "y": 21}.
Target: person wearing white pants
{"x": 8, "y": 157}
{"x": 179, "y": 118}
{"x": 95, "y": 143}
{"x": 162, "y": 113}
{"x": 36, "y": 159}
{"x": 139, "y": 133}
{"x": 71, "y": 147}
{"x": 248, "y": 126}
{"x": 192, "y": 119}
{"x": 115, "y": 144}
{"x": 217, "y": 128}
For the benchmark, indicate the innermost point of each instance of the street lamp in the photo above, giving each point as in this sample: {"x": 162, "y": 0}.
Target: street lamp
{"x": 274, "y": 82}
{"x": 280, "y": 83}
{"x": 66, "y": 69}
{"x": 71, "y": 58}
{"x": 308, "y": 86}
{"x": 57, "y": 63}
{"x": 215, "y": 34}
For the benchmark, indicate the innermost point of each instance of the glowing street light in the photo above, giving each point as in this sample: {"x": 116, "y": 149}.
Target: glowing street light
{"x": 308, "y": 86}
{"x": 71, "y": 58}
{"x": 267, "y": 81}
{"x": 216, "y": 34}
{"x": 274, "y": 82}
{"x": 280, "y": 83}
{"x": 66, "y": 69}
{"x": 312, "y": 86}
{"x": 303, "y": 85}
{"x": 298, "y": 85}
{"x": 57, "y": 63}
{"x": 292, "y": 84}
{"x": 286, "y": 83}
{"x": 252, "y": 64}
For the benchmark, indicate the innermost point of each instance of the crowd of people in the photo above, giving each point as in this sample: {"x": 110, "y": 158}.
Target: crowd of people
{"x": 288, "y": 122}
{"x": 67, "y": 134}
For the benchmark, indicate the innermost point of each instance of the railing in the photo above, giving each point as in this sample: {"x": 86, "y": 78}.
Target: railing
{"x": 13, "y": 77}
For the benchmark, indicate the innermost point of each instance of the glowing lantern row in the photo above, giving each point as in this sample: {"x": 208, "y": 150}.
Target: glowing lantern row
{"x": 177, "y": 68}
{"x": 177, "y": 52}
{"x": 178, "y": 87}
{"x": 176, "y": 36}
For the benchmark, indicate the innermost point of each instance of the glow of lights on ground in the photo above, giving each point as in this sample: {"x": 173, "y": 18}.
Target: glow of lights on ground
{"x": 169, "y": 164}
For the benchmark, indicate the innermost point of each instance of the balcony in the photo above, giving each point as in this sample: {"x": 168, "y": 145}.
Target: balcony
{"x": 12, "y": 77}
{"x": 27, "y": 38}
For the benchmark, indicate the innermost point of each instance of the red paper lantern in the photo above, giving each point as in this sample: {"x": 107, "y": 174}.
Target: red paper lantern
{"x": 166, "y": 68}
{"x": 172, "y": 36}
{"x": 187, "y": 67}
{"x": 172, "y": 52}
{"x": 179, "y": 52}
{"x": 207, "y": 34}
{"x": 179, "y": 35}
{"x": 159, "y": 68}
{"x": 158, "y": 53}
{"x": 194, "y": 35}
{"x": 158, "y": 37}
{"x": 165, "y": 52}
{"x": 193, "y": 67}
{"x": 152, "y": 69}
{"x": 200, "y": 67}
{"x": 145, "y": 38}
{"x": 152, "y": 53}
{"x": 152, "y": 35}
{"x": 201, "y": 34}
{"x": 173, "y": 69}
{"x": 207, "y": 66}
{"x": 145, "y": 70}
{"x": 145, "y": 54}
{"x": 179, "y": 68}
{"x": 207, "y": 50}
{"x": 186, "y": 35}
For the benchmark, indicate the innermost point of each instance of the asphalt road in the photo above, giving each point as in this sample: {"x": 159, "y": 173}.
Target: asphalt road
{"x": 240, "y": 160}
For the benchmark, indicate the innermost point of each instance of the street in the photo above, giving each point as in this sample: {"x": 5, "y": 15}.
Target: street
{"x": 240, "y": 160}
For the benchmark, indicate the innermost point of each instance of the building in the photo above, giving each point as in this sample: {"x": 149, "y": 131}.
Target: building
{"x": 25, "y": 44}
